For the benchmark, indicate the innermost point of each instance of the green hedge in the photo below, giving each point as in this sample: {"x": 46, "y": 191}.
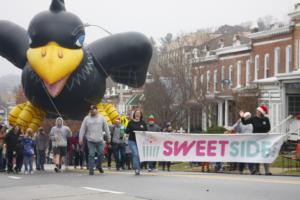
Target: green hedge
{"x": 216, "y": 129}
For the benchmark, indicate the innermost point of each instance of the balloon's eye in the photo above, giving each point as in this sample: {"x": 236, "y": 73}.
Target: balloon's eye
{"x": 29, "y": 40}
{"x": 80, "y": 41}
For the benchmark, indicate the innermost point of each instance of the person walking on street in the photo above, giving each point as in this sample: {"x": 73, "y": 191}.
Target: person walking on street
{"x": 92, "y": 128}
{"x": 28, "y": 151}
{"x": 42, "y": 143}
{"x": 136, "y": 124}
{"x": 10, "y": 143}
{"x": 261, "y": 124}
{"x": 59, "y": 136}
{"x": 118, "y": 143}
{"x": 152, "y": 127}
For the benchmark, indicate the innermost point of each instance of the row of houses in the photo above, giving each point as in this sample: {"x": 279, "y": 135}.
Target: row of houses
{"x": 262, "y": 66}
{"x": 237, "y": 70}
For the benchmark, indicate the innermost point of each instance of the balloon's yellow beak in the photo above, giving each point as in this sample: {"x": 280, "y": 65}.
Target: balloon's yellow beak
{"x": 52, "y": 62}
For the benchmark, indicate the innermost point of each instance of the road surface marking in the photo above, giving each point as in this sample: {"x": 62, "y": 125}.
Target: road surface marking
{"x": 257, "y": 180}
{"x": 101, "y": 190}
{"x": 215, "y": 177}
{"x": 14, "y": 177}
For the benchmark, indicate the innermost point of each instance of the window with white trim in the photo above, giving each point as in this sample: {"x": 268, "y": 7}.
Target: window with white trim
{"x": 277, "y": 60}
{"x": 248, "y": 73}
{"x": 288, "y": 59}
{"x": 230, "y": 76}
{"x": 208, "y": 81}
{"x": 215, "y": 80}
{"x": 267, "y": 66}
{"x": 256, "y": 67}
{"x": 239, "y": 70}
{"x": 222, "y": 76}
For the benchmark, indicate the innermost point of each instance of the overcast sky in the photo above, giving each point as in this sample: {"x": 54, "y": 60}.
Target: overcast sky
{"x": 152, "y": 17}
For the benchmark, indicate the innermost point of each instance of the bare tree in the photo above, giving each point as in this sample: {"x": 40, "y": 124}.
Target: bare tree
{"x": 160, "y": 100}
{"x": 177, "y": 67}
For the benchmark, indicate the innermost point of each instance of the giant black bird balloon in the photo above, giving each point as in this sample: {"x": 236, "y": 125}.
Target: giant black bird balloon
{"x": 61, "y": 75}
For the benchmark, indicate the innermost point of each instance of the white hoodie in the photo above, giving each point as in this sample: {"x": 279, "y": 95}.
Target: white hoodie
{"x": 59, "y": 134}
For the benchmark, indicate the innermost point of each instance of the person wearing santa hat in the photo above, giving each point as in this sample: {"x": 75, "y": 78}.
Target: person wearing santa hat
{"x": 152, "y": 127}
{"x": 261, "y": 124}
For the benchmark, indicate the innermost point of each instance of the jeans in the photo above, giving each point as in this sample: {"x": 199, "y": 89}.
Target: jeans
{"x": 267, "y": 168}
{"x": 41, "y": 156}
{"x": 78, "y": 158}
{"x": 10, "y": 157}
{"x": 135, "y": 155}
{"x": 128, "y": 160}
{"x": 109, "y": 156}
{"x": 95, "y": 147}
{"x": 152, "y": 165}
{"x": 164, "y": 164}
{"x": 19, "y": 162}
{"x": 119, "y": 154}
{"x": 241, "y": 167}
{"x": 28, "y": 160}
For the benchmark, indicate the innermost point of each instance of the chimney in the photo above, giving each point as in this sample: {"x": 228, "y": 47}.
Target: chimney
{"x": 254, "y": 27}
{"x": 236, "y": 40}
{"x": 295, "y": 14}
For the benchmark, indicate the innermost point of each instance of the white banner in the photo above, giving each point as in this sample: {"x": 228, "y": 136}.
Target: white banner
{"x": 247, "y": 148}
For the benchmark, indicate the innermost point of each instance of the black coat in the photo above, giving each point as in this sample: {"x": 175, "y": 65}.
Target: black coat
{"x": 260, "y": 125}
{"x": 135, "y": 126}
{"x": 11, "y": 141}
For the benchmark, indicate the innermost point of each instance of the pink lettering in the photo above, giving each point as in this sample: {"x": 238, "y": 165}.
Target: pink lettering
{"x": 200, "y": 147}
{"x": 168, "y": 148}
{"x": 211, "y": 146}
{"x": 184, "y": 147}
{"x": 223, "y": 144}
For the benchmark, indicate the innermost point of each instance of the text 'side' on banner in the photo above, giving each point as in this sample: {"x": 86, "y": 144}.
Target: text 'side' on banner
{"x": 247, "y": 148}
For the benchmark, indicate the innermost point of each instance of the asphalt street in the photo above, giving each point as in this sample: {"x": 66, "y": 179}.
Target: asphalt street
{"x": 155, "y": 186}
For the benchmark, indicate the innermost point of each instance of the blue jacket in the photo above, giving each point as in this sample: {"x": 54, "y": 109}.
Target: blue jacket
{"x": 28, "y": 145}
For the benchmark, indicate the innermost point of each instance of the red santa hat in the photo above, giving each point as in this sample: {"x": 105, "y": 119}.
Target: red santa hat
{"x": 263, "y": 109}
{"x": 151, "y": 118}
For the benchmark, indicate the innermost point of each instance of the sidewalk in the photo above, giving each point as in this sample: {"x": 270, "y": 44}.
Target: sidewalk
{"x": 274, "y": 170}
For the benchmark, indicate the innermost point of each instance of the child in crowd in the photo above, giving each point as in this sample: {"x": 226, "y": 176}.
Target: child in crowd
{"x": 128, "y": 155}
{"x": 28, "y": 151}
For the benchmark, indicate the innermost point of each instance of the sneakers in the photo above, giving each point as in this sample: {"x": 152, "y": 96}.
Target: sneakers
{"x": 26, "y": 172}
{"x": 56, "y": 170}
{"x": 137, "y": 172}
{"x": 150, "y": 170}
{"x": 31, "y": 172}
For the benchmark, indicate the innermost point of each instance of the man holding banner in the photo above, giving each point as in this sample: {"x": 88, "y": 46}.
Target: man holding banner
{"x": 261, "y": 124}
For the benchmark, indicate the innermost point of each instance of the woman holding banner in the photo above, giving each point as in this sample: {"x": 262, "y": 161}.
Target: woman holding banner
{"x": 136, "y": 124}
{"x": 240, "y": 128}
{"x": 261, "y": 124}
